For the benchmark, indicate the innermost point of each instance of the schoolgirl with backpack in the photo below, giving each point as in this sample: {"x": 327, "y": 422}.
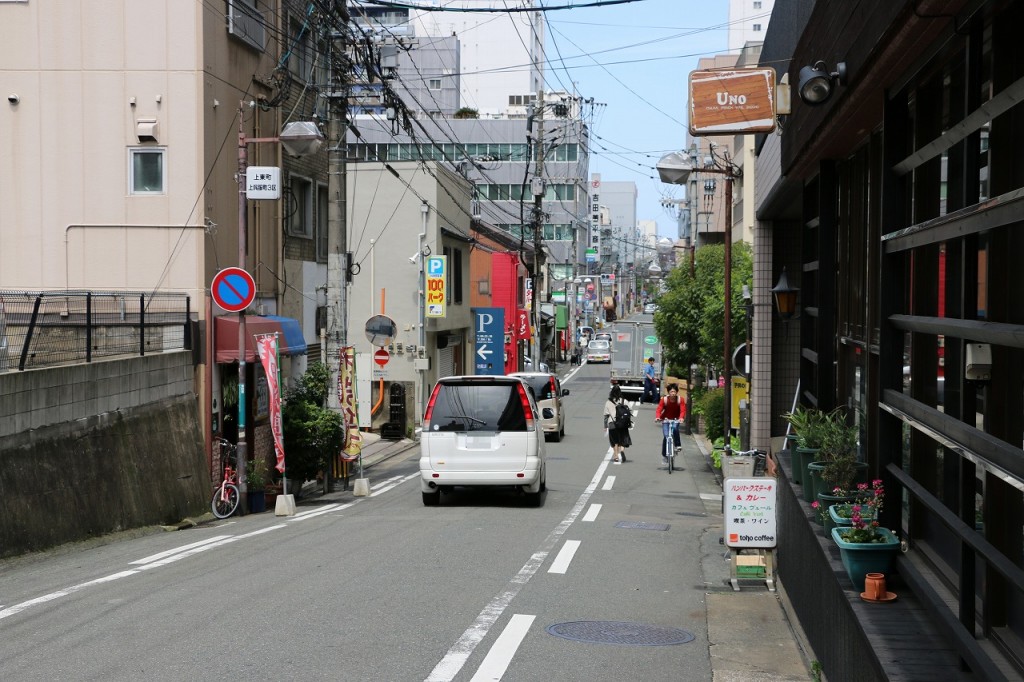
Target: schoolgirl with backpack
{"x": 618, "y": 418}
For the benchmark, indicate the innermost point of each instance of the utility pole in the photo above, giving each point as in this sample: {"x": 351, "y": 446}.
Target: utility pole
{"x": 337, "y": 210}
{"x": 538, "y": 188}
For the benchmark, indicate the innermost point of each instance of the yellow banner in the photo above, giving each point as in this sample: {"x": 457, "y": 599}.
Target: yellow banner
{"x": 740, "y": 391}
{"x": 436, "y": 285}
{"x": 347, "y": 401}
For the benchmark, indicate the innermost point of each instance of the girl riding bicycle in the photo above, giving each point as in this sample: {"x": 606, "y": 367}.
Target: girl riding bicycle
{"x": 671, "y": 408}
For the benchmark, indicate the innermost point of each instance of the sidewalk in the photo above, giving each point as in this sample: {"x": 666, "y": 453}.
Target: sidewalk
{"x": 751, "y": 634}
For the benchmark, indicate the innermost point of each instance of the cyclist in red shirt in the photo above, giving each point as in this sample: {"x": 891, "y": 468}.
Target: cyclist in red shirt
{"x": 670, "y": 407}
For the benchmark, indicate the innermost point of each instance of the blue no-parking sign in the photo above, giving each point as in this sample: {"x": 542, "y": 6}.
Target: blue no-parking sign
{"x": 233, "y": 289}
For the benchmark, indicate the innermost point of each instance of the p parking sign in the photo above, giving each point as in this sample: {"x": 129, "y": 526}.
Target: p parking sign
{"x": 436, "y": 276}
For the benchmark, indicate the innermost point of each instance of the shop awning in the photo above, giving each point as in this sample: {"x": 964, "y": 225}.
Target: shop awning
{"x": 290, "y": 339}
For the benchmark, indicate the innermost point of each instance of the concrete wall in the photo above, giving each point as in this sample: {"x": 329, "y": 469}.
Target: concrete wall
{"x": 92, "y": 449}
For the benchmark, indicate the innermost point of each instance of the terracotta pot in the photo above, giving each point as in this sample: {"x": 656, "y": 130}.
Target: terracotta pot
{"x": 874, "y": 586}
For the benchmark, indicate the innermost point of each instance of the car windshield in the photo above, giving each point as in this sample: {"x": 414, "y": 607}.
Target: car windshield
{"x": 541, "y": 385}
{"x": 478, "y": 407}
{"x": 598, "y": 344}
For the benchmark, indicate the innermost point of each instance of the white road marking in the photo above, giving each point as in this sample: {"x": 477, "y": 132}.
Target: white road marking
{"x": 169, "y": 552}
{"x": 395, "y": 484}
{"x": 383, "y": 483}
{"x": 594, "y": 510}
{"x": 496, "y": 662}
{"x": 608, "y": 483}
{"x": 564, "y": 558}
{"x": 326, "y": 509}
{"x": 711, "y": 497}
{"x": 449, "y": 666}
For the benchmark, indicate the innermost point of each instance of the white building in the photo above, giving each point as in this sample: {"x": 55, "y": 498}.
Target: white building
{"x": 748, "y": 22}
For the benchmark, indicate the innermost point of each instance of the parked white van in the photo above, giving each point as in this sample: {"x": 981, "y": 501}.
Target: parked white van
{"x": 482, "y": 431}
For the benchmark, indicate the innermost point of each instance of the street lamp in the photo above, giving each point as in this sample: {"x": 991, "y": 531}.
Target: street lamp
{"x": 298, "y": 138}
{"x": 675, "y": 168}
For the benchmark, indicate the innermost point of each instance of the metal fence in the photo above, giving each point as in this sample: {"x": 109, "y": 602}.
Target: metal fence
{"x": 44, "y": 328}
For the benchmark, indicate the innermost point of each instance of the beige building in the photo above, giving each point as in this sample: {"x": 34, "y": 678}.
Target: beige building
{"x": 121, "y": 155}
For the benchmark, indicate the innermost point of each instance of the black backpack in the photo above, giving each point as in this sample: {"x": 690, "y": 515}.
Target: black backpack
{"x": 623, "y": 416}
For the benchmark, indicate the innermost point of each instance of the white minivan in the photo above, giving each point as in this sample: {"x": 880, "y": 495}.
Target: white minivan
{"x": 482, "y": 431}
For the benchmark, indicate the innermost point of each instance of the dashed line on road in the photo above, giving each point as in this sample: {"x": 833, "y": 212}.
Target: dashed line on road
{"x": 608, "y": 483}
{"x": 453, "y": 661}
{"x": 564, "y": 557}
{"x": 592, "y": 513}
{"x": 500, "y": 656}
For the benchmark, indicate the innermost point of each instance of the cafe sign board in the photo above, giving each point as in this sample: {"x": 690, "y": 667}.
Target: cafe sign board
{"x": 728, "y": 102}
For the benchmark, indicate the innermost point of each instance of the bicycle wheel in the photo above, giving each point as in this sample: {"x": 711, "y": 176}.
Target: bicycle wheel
{"x": 225, "y": 505}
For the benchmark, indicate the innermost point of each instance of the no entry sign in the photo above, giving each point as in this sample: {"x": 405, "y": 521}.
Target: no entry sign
{"x": 381, "y": 357}
{"x": 233, "y": 289}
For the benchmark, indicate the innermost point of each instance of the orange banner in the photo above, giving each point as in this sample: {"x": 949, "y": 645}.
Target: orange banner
{"x": 266, "y": 346}
{"x": 347, "y": 401}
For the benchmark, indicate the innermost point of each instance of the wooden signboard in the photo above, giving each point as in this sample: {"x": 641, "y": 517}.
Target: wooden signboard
{"x": 732, "y": 102}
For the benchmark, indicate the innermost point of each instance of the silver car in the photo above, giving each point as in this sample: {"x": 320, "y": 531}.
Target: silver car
{"x": 548, "y": 392}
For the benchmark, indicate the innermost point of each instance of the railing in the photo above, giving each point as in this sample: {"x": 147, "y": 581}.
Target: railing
{"x": 45, "y": 328}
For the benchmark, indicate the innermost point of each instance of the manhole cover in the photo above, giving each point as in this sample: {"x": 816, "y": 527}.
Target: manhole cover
{"x": 641, "y": 525}
{"x": 618, "y": 632}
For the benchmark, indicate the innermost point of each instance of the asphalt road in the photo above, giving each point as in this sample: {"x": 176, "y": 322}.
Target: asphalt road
{"x": 382, "y": 588}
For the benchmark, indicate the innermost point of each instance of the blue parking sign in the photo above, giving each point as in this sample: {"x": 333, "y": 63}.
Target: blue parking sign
{"x": 489, "y": 326}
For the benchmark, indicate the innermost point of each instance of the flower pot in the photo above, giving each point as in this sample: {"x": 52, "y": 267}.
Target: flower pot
{"x": 826, "y": 502}
{"x": 839, "y": 521}
{"x": 861, "y": 558}
{"x": 257, "y": 501}
{"x": 801, "y": 458}
{"x": 813, "y": 483}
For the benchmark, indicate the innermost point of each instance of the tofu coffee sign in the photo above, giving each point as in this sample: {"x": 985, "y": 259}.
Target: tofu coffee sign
{"x": 732, "y": 102}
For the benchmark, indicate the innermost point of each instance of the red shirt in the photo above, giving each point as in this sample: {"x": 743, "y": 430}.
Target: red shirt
{"x": 670, "y": 409}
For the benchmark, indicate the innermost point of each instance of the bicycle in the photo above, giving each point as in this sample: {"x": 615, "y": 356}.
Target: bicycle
{"x": 669, "y": 449}
{"x": 226, "y": 496}
{"x": 760, "y": 458}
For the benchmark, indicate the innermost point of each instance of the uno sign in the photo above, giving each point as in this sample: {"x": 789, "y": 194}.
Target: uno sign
{"x": 732, "y": 102}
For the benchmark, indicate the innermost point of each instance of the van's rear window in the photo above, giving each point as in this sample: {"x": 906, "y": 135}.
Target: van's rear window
{"x": 478, "y": 407}
{"x": 541, "y": 387}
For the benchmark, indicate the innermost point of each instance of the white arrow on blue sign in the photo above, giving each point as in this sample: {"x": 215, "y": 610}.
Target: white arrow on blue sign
{"x": 489, "y": 325}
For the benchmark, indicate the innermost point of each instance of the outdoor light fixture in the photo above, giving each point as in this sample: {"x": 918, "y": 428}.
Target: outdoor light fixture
{"x": 817, "y": 83}
{"x": 301, "y": 138}
{"x": 674, "y": 168}
{"x": 785, "y": 296}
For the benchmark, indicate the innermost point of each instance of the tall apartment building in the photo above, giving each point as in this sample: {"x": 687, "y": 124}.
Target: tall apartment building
{"x": 748, "y": 22}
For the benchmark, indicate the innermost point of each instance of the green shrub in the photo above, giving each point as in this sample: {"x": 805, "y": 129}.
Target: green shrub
{"x": 312, "y": 433}
{"x": 711, "y": 404}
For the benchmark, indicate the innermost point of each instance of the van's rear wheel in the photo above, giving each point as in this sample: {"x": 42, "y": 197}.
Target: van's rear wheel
{"x": 432, "y": 499}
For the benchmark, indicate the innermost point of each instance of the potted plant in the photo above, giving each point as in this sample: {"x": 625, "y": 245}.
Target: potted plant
{"x": 837, "y": 465}
{"x": 864, "y": 546}
{"x": 256, "y": 483}
{"x": 808, "y": 425}
{"x": 866, "y": 502}
{"x": 313, "y": 434}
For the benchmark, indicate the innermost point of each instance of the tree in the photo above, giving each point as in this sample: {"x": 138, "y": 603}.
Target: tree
{"x": 691, "y": 311}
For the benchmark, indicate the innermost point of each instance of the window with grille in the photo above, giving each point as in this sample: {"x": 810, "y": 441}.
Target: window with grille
{"x": 245, "y": 22}
{"x": 300, "y": 223}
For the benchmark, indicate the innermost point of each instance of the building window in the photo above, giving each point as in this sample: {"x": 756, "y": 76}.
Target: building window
{"x": 321, "y": 223}
{"x": 434, "y": 83}
{"x": 300, "y": 222}
{"x": 300, "y": 49}
{"x": 147, "y": 170}
{"x": 757, "y": 27}
{"x": 757, "y": 5}
{"x": 245, "y": 22}
{"x": 454, "y": 278}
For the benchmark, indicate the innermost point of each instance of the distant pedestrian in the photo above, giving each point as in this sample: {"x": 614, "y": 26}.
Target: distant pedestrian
{"x": 617, "y": 419}
{"x": 650, "y": 394}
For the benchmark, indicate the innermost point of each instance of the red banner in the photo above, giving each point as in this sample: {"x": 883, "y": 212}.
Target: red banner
{"x": 266, "y": 346}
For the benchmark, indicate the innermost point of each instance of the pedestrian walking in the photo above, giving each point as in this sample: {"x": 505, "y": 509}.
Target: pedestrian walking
{"x": 618, "y": 417}
{"x": 650, "y": 393}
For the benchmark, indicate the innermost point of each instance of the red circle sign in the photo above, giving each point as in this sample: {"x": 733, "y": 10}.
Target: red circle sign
{"x": 381, "y": 357}
{"x": 233, "y": 289}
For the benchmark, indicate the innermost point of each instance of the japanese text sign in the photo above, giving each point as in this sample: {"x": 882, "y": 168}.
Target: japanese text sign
{"x": 750, "y": 512}
{"x": 436, "y": 285}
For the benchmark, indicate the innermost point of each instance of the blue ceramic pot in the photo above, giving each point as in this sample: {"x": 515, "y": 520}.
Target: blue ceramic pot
{"x": 861, "y": 558}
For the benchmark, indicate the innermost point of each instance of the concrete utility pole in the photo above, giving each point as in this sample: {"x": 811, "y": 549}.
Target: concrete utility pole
{"x": 538, "y": 187}
{"x": 337, "y": 210}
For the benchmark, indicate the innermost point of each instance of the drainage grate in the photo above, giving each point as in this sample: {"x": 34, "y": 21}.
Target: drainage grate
{"x": 641, "y": 525}
{"x": 618, "y": 632}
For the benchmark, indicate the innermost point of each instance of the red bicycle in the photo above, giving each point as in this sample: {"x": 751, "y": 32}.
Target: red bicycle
{"x": 226, "y": 496}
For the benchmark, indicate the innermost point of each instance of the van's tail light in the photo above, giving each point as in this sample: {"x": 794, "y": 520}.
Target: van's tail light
{"x": 551, "y": 382}
{"x": 430, "y": 407}
{"x": 527, "y": 410}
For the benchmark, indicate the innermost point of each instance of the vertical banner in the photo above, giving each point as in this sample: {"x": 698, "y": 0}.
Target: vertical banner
{"x": 347, "y": 401}
{"x": 266, "y": 346}
{"x": 436, "y": 282}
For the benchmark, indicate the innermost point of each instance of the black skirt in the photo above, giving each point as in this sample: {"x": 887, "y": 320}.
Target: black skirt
{"x": 619, "y": 437}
